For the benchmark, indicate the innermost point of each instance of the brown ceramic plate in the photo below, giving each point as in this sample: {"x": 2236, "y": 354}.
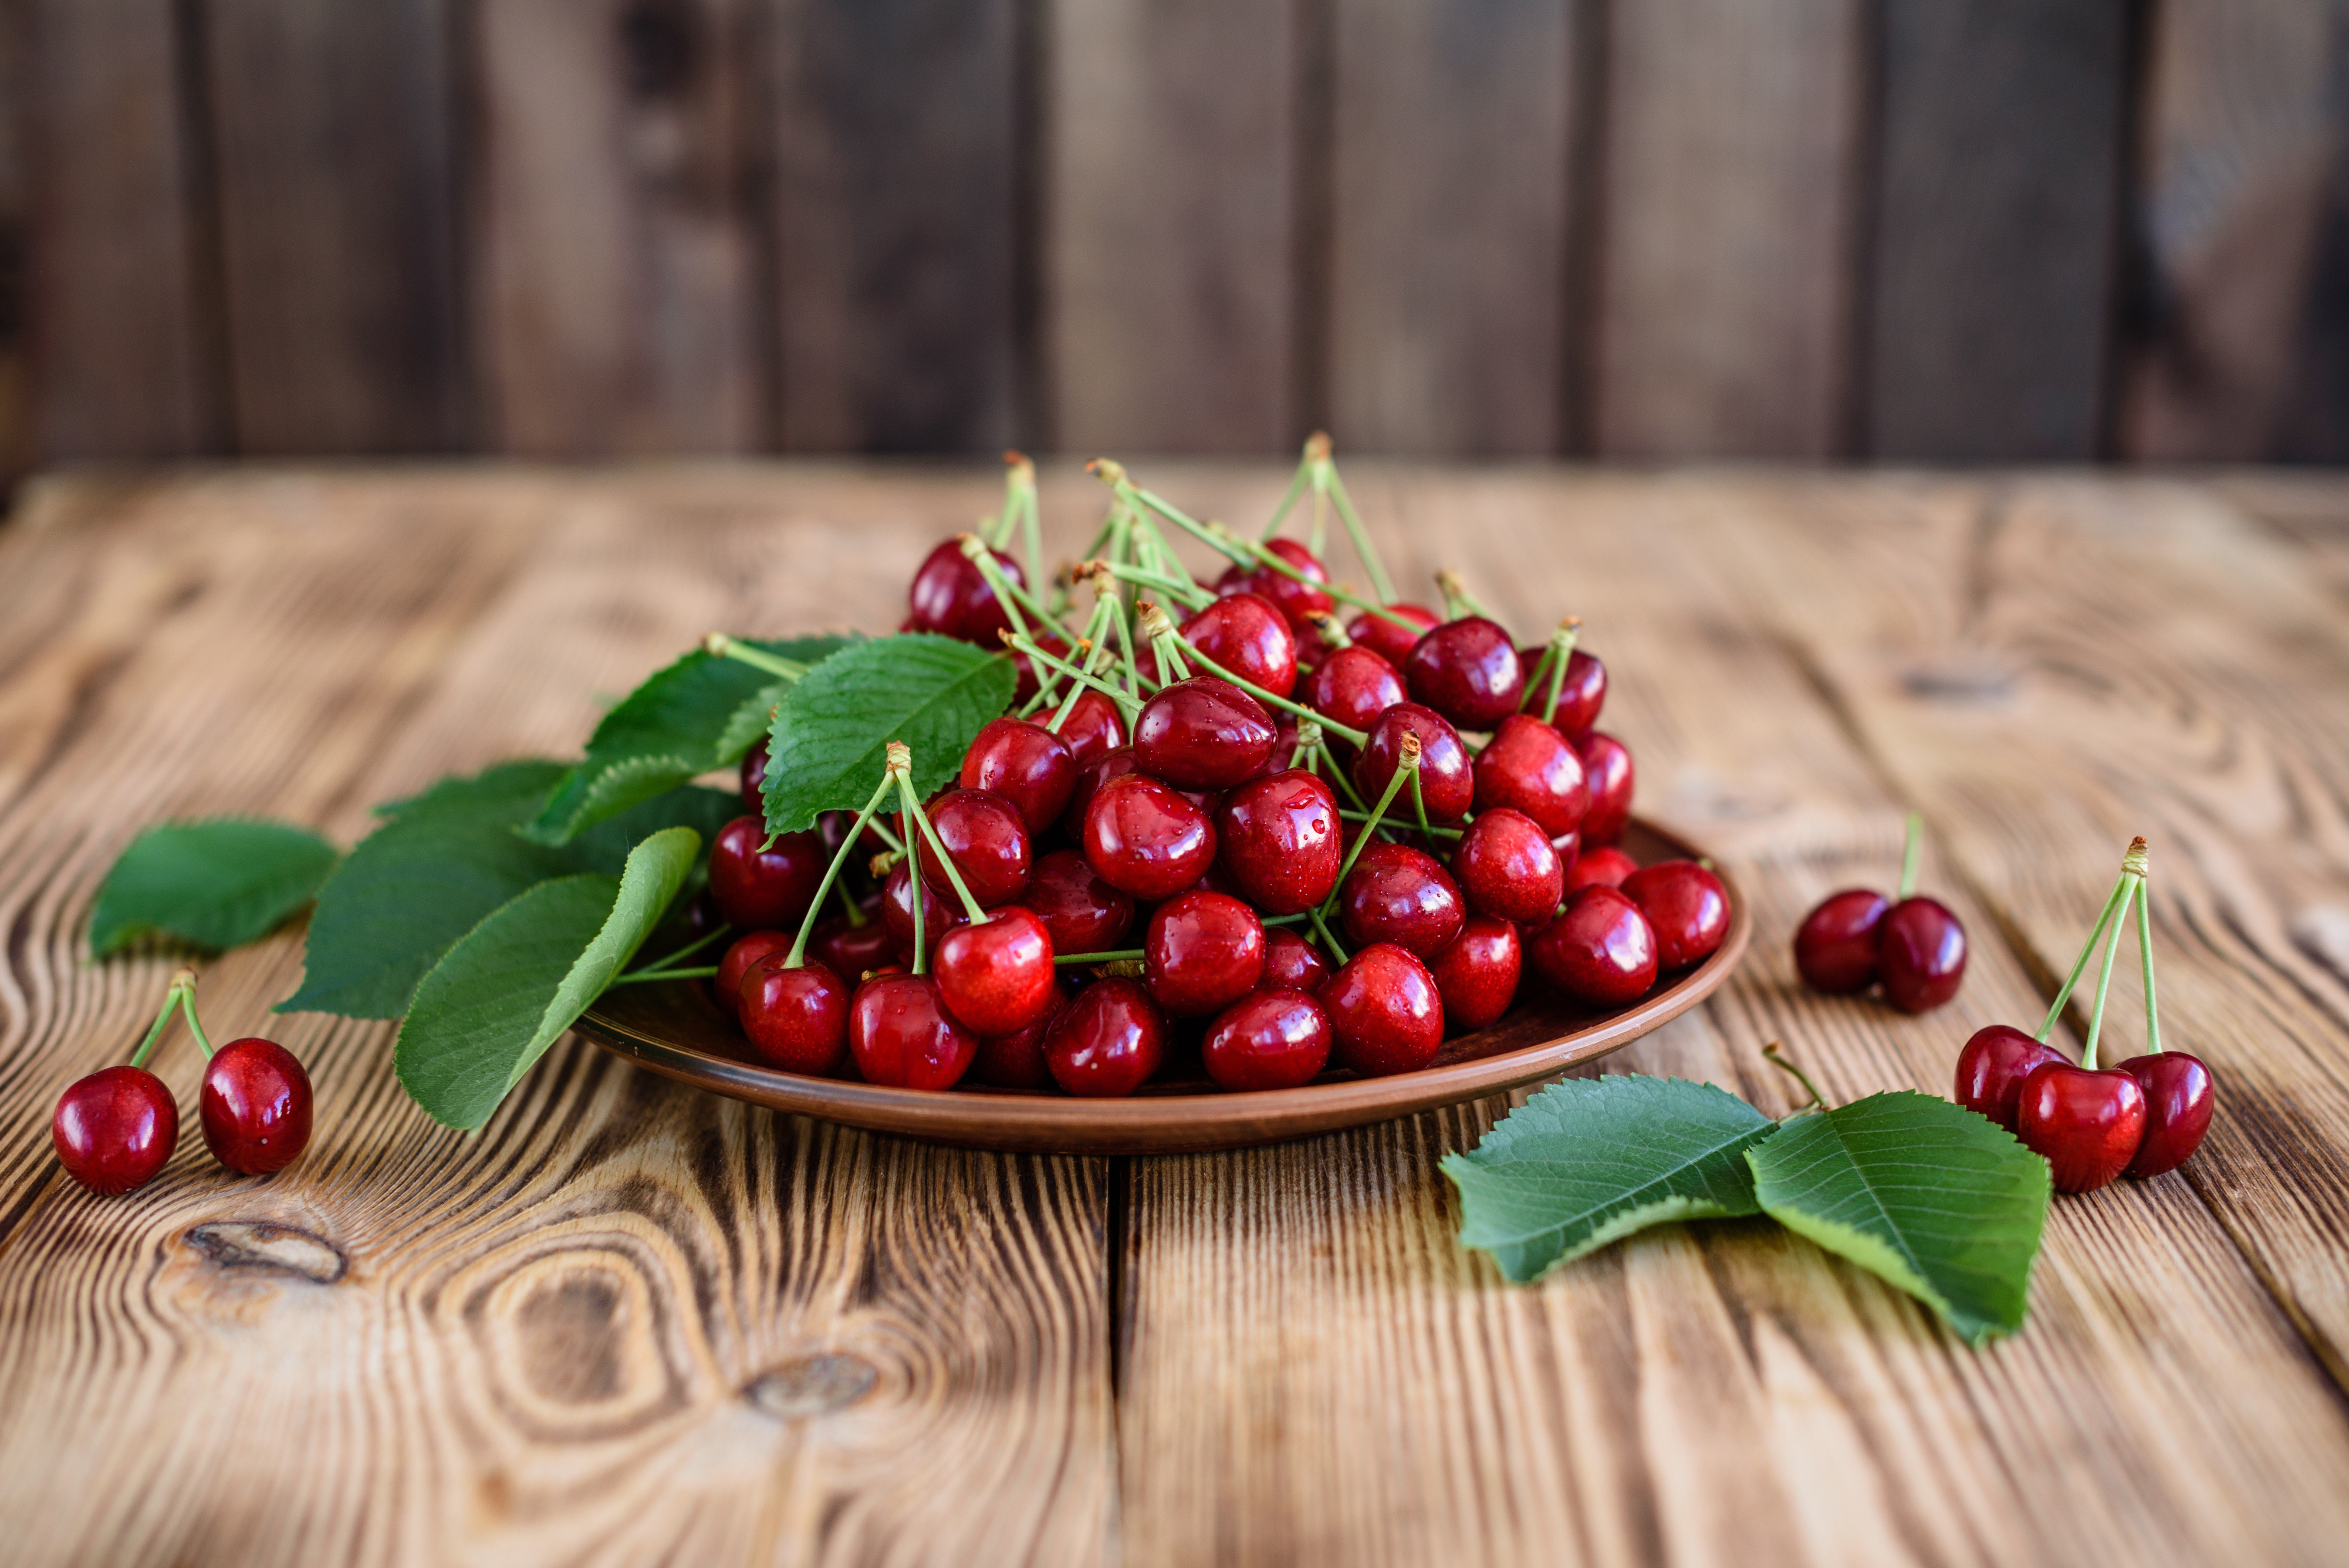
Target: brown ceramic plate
{"x": 678, "y": 1031}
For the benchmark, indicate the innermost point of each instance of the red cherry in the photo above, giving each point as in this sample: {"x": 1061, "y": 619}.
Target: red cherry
{"x": 1107, "y": 1042}
{"x": 1298, "y": 600}
{"x": 1579, "y": 699}
{"x": 1291, "y": 963}
{"x": 988, "y": 840}
{"x": 1477, "y": 974}
{"x": 746, "y": 950}
{"x": 949, "y": 596}
{"x": 1991, "y": 1068}
{"x": 1093, "y": 728}
{"x": 1835, "y": 947}
{"x": 1204, "y": 951}
{"x": 1389, "y": 640}
{"x": 1529, "y": 768}
{"x": 1606, "y": 866}
{"x": 996, "y": 976}
{"x": 1600, "y": 949}
{"x": 754, "y": 779}
{"x": 254, "y": 1106}
{"x": 1143, "y": 839}
{"x": 1920, "y": 954}
{"x": 1016, "y": 1060}
{"x": 1203, "y": 734}
{"x": 1606, "y": 771}
{"x": 797, "y": 1016}
{"x": 115, "y": 1129}
{"x": 849, "y": 950}
{"x": 1686, "y": 907}
{"x": 1277, "y": 840}
{"x": 1027, "y": 764}
{"x": 2179, "y": 1098}
{"x": 1080, "y": 912}
{"x": 903, "y": 1037}
{"x": 1507, "y": 866}
{"x": 1445, "y": 782}
{"x": 1399, "y": 894}
{"x": 2087, "y": 1125}
{"x": 1466, "y": 670}
{"x": 1091, "y": 776}
{"x": 758, "y": 888}
{"x": 938, "y": 916}
{"x": 1352, "y": 686}
{"x": 1385, "y": 1014}
{"x": 1274, "y": 1038}
{"x": 1249, "y": 636}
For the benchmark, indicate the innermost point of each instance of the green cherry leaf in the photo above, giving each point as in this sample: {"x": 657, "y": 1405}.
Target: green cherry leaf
{"x": 1941, "y": 1201}
{"x": 215, "y": 884}
{"x": 1587, "y": 1162}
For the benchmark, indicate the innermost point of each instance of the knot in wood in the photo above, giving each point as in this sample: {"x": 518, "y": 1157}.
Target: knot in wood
{"x": 812, "y": 1386}
{"x": 279, "y": 1249}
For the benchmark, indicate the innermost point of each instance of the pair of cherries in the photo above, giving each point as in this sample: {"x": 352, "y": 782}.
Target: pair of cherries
{"x": 1912, "y": 946}
{"x": 2092, "y": 1124}
{"x": 114, "y": 1129}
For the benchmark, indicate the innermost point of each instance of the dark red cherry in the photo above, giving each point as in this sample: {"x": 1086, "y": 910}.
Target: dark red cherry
{"x": 1399, "y": 894}
{"x": 797, "y": 1016}
{"x": 849, "y": 950}
{"x": 1298, "y": 600}
{"x": 996, "y": 976}
{"x": 1091, "y": 776}
{"x": 1274, "y": 1038}
{"x": 1352, "y": 686}
{"x": 938, "y": 916}
{"x": 1093, "y": 728}
{"x": 254, "y": 1106}
{"x": 1278, "y": 842}
{"x": 1291, "y": 963}
{"x": 950, "y": 597}
{"x": 2086, "y": 1125}
{"x": 2179, "y": 1097}
{"x": 1389, "y": 640}
{"x": 1579, "y": 699}
{"x": 1080, "y": 912}
{"x": 754, "y": 779}
{"x": 1607, "y": 773}
{"x": 746, "y": 950}
{"x": 115, "y": 1129}
{"x": 1604, "y": 867}
{"x": 1203, "y": 734}
{"x": 1529, "y": 767}
{"x": 1016, "y": 1060}
{"x": 903, "y": 1036}
{"x": 1445, "y": 781}
{"x": 988, "y": 840}
{"x": 1204, "y": 951}
{"x": 1505, "y": 866}
{"x": 1385, "y": 1014}
{"x": 1920, "y": 954}
{"x": 1027, "y": 764}
{"x": 1250, "y": 637}
{"x": 1686, "y": 907}
{"x": 1107, "y": 1041}
{"x": 1600, "y": 949}
{"x": 1835, "y": 947}
{"x": 1991, "y": 1068}
{"x": 1466, "y": 670}
{"x": 1476, "y": 973}
{"x": 1147, "y": 840}
{"x": 758, "y": 888}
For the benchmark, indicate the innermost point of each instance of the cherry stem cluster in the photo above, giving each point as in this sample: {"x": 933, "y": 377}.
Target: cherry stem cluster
{"x": 912, "y": 811}
{"x": 891, "y": 774}
{"x": 179, "y": 998}
{"x": 1317, "y": 471}
{"x": 2131, "y": 887}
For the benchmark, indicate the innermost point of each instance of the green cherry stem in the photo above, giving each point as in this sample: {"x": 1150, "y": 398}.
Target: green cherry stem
{"x": 1380, "y": 822}
{"x": 1126, "y": 705}
{"x": 183, "y": 981}
{"x": 1167, "y": 641}
{"x": 640, "y": 976}
{"x": 1161, "y": 632}
{"x": 913, "y": 808}
{"x": 1406, "y": 763}
{"x": 725, "y": 647}
{"x": 1321, "y": 929}
{"x": 1379, "y": 581}
{"x": 1911, "y": 850}
{"x": 1458, "y": 601}
{"x": 187, "y": 989}
{"x": 1190, "y": 595}
{"x": 1550, "y": 668}
{"x": 2080, "y": 964}
{"x": 2129, "y": 884}
{"x": 1817, "y": 1102}
{"x": 2144, "y": 948}
{"x": 669, "y": 959}
{"x": 1123, "y": 955}
{"x": 1020, "y": 482}
{"x": 1297, "y": 483}
{"x": 1093, "y": 642}
{"x": 897, "y": 761}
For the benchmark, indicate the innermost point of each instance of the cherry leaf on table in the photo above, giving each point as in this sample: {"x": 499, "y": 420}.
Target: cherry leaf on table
{"x": 1587, "y": 1162}
{"x": 217, "y": 883}
{"x": 510, "y": 987}
{"x": 824, "y": 748}
{"x": 1933, "y": 1197}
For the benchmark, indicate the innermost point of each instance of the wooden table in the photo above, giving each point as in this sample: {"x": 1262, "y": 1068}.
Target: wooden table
{"x": 630, "y": 1323}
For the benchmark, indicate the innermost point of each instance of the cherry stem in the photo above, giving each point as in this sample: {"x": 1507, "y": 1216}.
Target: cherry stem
{"x": 1818, "y": 1102}
{"x": 1419, "y": 805}
{"x": 976, "y": 552}
{"x": 638, "y": 976}
{"x": 1124, "y": 700}
{"x": 891, "y": 775}
{"x": 1120, "y": 955}
{"x": 1366, "y": 817}
{"x": 1409, "y": 764}
{"x": 1379, "y": 581}
{"x": 1321, "y": 929}
{"x": 2144, "y": 948}
{"x": 1351, "y": 736}
{"x": 1550, "y": 668}
{"x": 726, "y": 647}
{"x": 1159, "y": 627}
{"x": 2130, "y": 882}
{"x": 1911, "y": 850}
{"x": 669, "y": 959}
{"x": 1020, "y": 482}
{"x": 188, "y": 1006}
{"x": 1191, "y": 594}
{"x": 182, "y": 981}
{"x": 1096, "y": 629}
{"x": 2080, "y": 964}
{"x": 1297, "y": 482}
{"x": 1457, "y": 599}
{"x": 970, "y": 906}
{"x": 848, "y": 904}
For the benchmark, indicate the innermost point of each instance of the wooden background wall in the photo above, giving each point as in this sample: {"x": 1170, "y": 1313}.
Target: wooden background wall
{"x": 1940, "y": 230}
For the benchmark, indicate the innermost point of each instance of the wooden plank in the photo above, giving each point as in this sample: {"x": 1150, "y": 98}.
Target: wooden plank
{"x": 899, "y": 176}
{"x": 1170, "y": 199}
{"x": 2003, "y": 144}
{"x": 338, "y": 190}
{"x": 1724, "y": 275}
{"x": 1451, "y": 227}
{"x": 616, "y": 272}
{"x": 1313, "y": 1372}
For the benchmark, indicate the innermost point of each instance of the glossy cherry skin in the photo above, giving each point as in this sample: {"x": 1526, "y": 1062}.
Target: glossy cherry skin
{"x": 2179, "y": 1098}
{"x": 1204, "y": 733}
{"x": 1249, "y": 636}
{"x": 2086, "y": 1125}
{"x": 1080, "y": 912}
{"x": 988, "y": 843}
{"x": 1107, "y": 1041}
{"x": 903, "y": 1037}
{"x": 1607, "y": 773}
{"x": 746, "y": 950}
{"x": 1352, "y": 686}
{"x": 1529, "y": 767}
{"x": 1920, "y": 954}
{"x": 1600, "y": 949}
{"x": 1291, "y": 963}
{"x": 1400, "y": 894}
{"x": 849, "y": 950}
{"x": 115, "y": 1129}
{"x": 1579, "y": 699}
{"x": 1606, "y": 866}
{"x": 759, "y": 888}
{"x": 1386, "y": 1013}
{"x": 996, "y": 976}
{"x": 1687, "y": 908}
{"x": 1468, "y": 670}
{"x": 1277, "y": 840}
{"x": 1277, "y": 1037}
{"x": 1477, "y": 972}
{"x": 950, "y": 597}
{"x": 1091, "y": 776}
{"x": 1505, "y": 866}
{"x": 938, "y": 916}
{"x": 1093, "y": 728}
{"x": 1991, "y": 1068}
{"x": 1298, "y": 600}
{"x": 1445, "y": 780}
{"x": 1389, "y": 640}
{"x": 1203, "y": 952}
{"x": 1024, "y": 763}
{"x": 254, "y": 1106}
{"x": 1835, "y": 947}
{"x": 797, "y": 1016}
{"x": 1016, "y": 1060}
{"x": 754, "y": 779}
{"x": 1145, "y": 839}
